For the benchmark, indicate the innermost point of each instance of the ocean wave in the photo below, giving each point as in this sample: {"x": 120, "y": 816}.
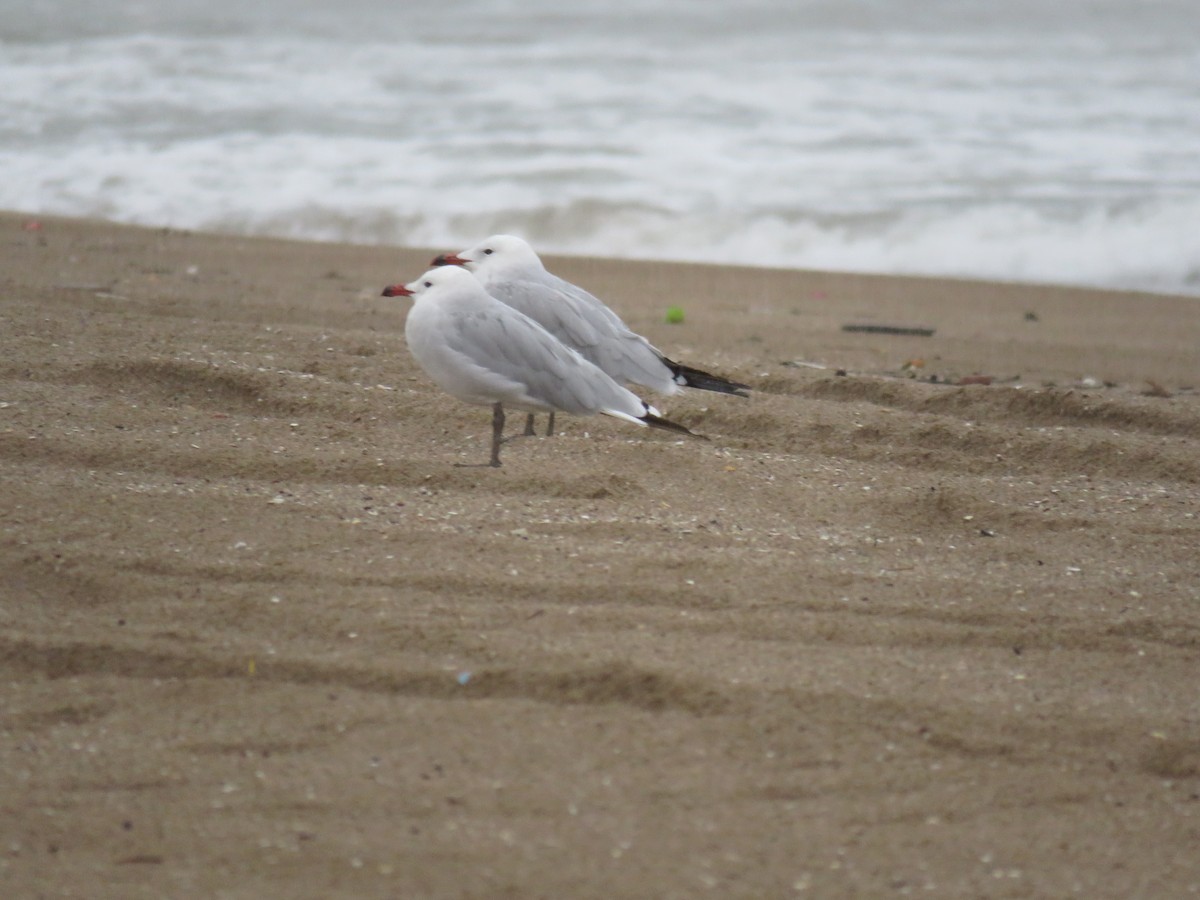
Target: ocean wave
{"x": 817, "y": 137}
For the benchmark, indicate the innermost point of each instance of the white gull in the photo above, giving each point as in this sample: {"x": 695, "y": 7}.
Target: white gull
{"x": 481, "y": 351}
{"x": 512, "y": 272}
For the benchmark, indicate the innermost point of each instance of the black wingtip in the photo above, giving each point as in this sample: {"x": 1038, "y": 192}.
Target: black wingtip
{"x": 706, "y": 381}
{"x": 666, "y": 424}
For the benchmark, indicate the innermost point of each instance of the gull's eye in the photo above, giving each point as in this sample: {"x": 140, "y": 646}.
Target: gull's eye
{"x": 488, "y": 252}
{"x": 429, "y": 284}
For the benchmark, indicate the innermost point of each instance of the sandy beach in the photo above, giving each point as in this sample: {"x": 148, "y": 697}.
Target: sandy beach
{"x": 922, "y": 616}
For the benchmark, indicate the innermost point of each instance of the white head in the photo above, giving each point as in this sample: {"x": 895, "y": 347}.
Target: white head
{"x": 442, "y": 278}
{"x": 498, "y": 256}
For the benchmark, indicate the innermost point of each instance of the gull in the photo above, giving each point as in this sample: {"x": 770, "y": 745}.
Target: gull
{"x": 481, "y": 351}
{"x": 512, "y": 272}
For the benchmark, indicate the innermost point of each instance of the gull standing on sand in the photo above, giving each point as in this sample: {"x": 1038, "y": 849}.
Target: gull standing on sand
{"x": 513, "y": 273}
{"x": 482, "y": 351}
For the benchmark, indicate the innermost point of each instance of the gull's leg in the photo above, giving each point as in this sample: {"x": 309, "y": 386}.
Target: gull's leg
{"x": 528, "y": 432}
{"x": 549, "y": 426}
{"x": 497, "y": 434}
{"x": 497, "y": 440}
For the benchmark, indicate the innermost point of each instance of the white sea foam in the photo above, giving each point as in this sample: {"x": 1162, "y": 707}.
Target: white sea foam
{"x": 1021, "y": 141}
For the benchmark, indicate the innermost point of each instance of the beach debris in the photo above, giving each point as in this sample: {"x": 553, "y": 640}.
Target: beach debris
{"x": 976, "y": 379}
{"x": 463, "y": 678}
{"x": 1031, "y": 316}
{"x": 1087, "y": 383}
{"x": 82, "y": 286}
{"x": 674, "y": 315}
{"x": 911, "y": 366}
{"x": 915, "y": 331}
{"x": 1155, "y": 389}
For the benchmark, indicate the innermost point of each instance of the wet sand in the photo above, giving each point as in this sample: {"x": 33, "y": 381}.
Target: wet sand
{"x": 885, "y": 633}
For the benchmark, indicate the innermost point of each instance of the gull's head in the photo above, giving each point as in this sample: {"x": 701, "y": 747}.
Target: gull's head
{"x": 501, "y": 253}
{"x": 438, "y": 278}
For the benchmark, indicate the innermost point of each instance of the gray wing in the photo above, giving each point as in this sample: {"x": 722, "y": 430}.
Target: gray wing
{"x": 582, "y": 322}
{"x": 516, "y": 356}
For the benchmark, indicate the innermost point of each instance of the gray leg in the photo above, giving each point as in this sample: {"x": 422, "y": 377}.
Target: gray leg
{"x": 529, "y": 432}
{"x": 497, "y": 434}
{"x": 549, "y": 426}
{"x": 497, "y": 440}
